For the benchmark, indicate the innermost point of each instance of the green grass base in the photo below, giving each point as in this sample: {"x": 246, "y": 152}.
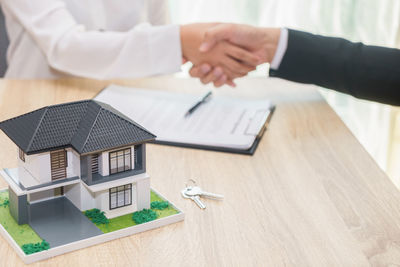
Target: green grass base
{"x": 165, "y": 212}
{"x": 22, "y": 234}
{"x": 125, "y": 221}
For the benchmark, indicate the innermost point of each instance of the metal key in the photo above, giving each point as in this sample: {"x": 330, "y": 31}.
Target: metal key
{"x": 197, "y": 191}
{"x": 195, "y": 198}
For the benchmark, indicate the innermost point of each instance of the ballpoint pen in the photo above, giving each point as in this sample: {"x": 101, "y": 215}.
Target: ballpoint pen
{"x": 199, "y": 103}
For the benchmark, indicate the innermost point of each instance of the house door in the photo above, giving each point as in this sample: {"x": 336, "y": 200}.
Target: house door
{"x": 58, "y": 164}
{"x": 59, "y": 191}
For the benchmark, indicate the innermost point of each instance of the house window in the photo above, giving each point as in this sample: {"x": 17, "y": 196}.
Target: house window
{"x": 120, "y": 160}
{"x": 58, "y": 160}
{"x": 95, "y": 163}
{"x": 120, "y": 196}
{"x": 21, "y": 155}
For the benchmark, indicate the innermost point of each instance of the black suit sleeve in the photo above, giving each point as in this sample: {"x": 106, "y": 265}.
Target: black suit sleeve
{"x": 368, "y": 72}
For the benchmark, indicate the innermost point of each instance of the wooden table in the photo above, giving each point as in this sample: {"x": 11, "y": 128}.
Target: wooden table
{"x": 310, "y": 196}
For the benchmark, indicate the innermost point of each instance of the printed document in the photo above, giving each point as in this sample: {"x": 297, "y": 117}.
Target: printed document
{"x": 221, "y": 122}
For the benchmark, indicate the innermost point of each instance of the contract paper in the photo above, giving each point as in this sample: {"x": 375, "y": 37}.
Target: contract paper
{"x": 221, "y": 122}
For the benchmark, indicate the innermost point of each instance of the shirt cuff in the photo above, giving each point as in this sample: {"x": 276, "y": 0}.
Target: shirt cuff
{"x": 281, "y": 49}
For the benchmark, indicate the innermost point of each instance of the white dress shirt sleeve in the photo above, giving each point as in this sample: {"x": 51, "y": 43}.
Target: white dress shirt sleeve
{"x": 280, "y": 50}
{"x": 156, "y": 10}
{"x": 142, "y": 51}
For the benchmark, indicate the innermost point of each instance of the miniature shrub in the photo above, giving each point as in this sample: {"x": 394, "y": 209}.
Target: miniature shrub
{"x": 97, "y": 216}
{"x": 5, "y": 203}
{"x": 159, "y": 205}
{"x": 31, "y": 248}
{"x": 143, "y": 216}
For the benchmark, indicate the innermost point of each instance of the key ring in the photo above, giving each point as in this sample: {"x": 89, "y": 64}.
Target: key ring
{"x": 190, "y": 180}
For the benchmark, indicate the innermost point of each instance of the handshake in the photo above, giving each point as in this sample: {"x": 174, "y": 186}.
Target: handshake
{"x": 221, "y": 53}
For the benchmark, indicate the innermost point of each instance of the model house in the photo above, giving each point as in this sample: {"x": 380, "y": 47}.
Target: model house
{"x": 86, "y": 151}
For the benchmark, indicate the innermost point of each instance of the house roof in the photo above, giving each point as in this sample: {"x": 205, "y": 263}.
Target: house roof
{"x": 87, "y": 126}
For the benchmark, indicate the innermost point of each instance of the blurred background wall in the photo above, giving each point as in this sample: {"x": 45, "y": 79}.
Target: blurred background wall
{"x": 374, "y": 22}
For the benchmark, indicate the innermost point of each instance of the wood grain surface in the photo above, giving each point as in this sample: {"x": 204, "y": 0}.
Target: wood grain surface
{"x": 310, "y": 196}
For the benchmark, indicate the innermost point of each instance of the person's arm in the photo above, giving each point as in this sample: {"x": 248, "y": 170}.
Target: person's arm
{"x": 157, "y": 12}
{"x": 367, "y": 72}
{"x": 68, "y": 47}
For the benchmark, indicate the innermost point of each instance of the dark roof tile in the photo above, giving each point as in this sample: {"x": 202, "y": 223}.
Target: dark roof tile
{"x": 87, "y": 126}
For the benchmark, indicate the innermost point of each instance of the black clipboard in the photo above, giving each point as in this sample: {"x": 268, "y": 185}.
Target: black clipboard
{"x": 249, "y": 151}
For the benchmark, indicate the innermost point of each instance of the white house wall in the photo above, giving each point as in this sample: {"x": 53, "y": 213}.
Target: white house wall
{"x": 143, "y": 194}
{"x": 73, "y": 193}
{"x": 38, "y": 166}
{"x": 100, "y": 162}
{"x": 87, "y": 198}
{"x": 45, "y": 168}
{"x": 31, "y": 167}
{"x": 104, "y": 170}
{"x": 74, "y": 163}
{"x": 80, "y": 196}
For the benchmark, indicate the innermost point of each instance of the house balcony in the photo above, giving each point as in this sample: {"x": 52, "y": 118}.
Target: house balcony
{"x": 97, "y": 178}
{"x": 91, "y": 175}
{"x": 22, "y": 182}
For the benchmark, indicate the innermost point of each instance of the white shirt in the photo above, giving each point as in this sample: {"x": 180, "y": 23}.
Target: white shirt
{"x": 99, "y": 39}
{"x": 281, "y": 49}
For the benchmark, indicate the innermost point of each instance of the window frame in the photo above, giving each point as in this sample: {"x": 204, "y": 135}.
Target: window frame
{"x": 126, "y": 188}
{"x": 58, "y": 170}
{"x": 125, "y": 152}
{"x": 21, "y": 154}
{"x": 95, "y": 160}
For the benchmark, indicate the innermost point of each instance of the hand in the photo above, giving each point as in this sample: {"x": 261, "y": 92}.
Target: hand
{"x": 227, "y": 61}
{"x": 208, "y": 74}
{"x": 262, "y": 42}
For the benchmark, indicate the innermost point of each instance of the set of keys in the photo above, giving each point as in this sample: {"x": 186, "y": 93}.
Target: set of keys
{"x": 194, "y": 193}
